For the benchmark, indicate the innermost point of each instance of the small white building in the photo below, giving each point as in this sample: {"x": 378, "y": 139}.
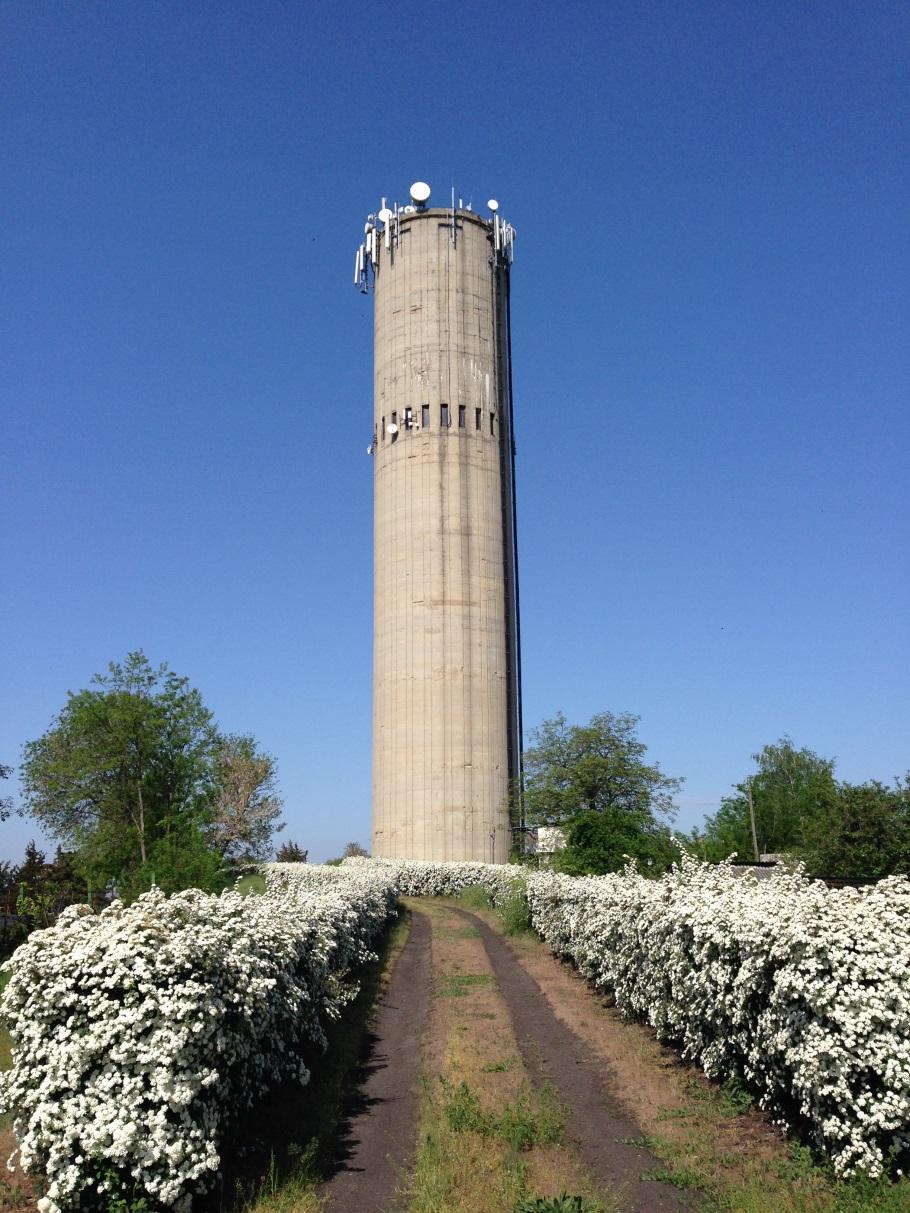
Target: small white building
{"x": 550, "y": 839}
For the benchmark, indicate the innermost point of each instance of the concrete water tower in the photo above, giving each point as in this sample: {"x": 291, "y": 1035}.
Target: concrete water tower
{"x": 446, "y": 667}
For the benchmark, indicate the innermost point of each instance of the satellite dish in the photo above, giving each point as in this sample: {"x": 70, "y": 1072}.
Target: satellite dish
{"x": 493, "y": 205}
{"x": 393, "y": 429}
{"x": 420, "y": 192}
{"x": 384, "y": 215}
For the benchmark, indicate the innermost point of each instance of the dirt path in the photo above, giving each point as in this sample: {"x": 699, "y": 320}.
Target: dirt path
{"x": 553, "y": 1053}
{"x": 378, "y": 1134}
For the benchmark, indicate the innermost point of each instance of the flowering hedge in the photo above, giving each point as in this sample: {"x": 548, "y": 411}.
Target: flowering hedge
{"x": 139, "y": 1032}
{"x": 801, "y": 991}
{"x": 422, "y": 878}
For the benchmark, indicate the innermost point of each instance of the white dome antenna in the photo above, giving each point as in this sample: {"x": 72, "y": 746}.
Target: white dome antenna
{"x": 420, "y": 192}
{"x": 493, "y": 205}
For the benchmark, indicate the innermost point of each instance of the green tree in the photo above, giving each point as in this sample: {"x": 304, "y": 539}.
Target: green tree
{"x": 606, "y": 841}
{"x": 792, "y": 790}
{"x": 353, "y": 850}
{"x": 125, "y": 774}
{"x": 594, "y": 781}
{"x": 290, "y": 852}
{"x": 44, "y": 888}
{"x": 864, "y": 832}
{"x": 245, "y": 804}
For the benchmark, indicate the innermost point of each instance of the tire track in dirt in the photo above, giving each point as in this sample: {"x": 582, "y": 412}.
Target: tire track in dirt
{"x": 377, "y": 1138}
{"x": 552, "y": 1053}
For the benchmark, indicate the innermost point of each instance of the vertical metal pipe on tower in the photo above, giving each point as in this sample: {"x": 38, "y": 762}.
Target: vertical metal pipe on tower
{"x": 446, "y": 662}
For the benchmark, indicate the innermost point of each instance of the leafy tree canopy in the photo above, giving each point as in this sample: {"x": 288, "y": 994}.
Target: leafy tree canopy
{"x": 571, "y": 769}
{"x": 788, "y": 791}
{"x": 800, "y": 809}
{"x": 863, "y": 832}
{"x": 594, "y": 780}
{"x": 133, "y": 776}
{"x": 290, "y": 852}
{"x": 246, "y": 807}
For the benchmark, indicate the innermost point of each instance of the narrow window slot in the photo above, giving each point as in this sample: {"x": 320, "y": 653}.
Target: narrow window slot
{"x": 462, "y": 411}
{"x": 382, "y": 430}
{"x": 477, "y": 416}
{"x": 444, "y": 415}
{"x": 408, "y": 418}
{"x": 425, "y": 416}
{"x": 492, "y": 429}
{"x": 394, "y": 426}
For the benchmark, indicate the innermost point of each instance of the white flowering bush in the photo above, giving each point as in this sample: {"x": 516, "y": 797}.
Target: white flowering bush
{"x": 140, "y": 1032}
{"x": 423, "y": 878}
{"x": 801, "y": 991}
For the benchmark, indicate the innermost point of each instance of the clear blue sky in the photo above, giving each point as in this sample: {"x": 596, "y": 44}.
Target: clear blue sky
{"x": 711, "y": 370}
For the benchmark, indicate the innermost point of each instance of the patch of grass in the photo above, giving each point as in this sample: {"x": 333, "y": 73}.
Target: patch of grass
{"x": 462, "y": 1172}
{"x": 463, "y": 1110}
{"x": 800, "y": 1170}
{"x": 743, "y": 1181}
{"x": 253, "y": 883}
{"x": 735, "y": 1097}
{"x": 499, "y": 1067}
{"x": 644, "y": 1143}
{"x": 516, "y": 914}
{"x": 538, "y": 1119}
{"x": 532, "y": 1119}
{"x": 730, "y": 1098}
{"x": 680, "y": 1177}
{"x": 474, "y": 897}
{"x": 556, "y": 1204}
{"x": 863, "y": 1195}
{"x": 459, "y": 985}
{"x": 288, "y": 1188}
{"x": 432, "y": 1180}
{"x": 697, "y": 1088}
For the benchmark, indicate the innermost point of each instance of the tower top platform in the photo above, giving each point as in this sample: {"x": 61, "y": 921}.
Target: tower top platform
{"x": 382, "y": 230}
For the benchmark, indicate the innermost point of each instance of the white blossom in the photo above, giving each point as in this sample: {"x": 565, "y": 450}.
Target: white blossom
{"x": 139, "y": 1033}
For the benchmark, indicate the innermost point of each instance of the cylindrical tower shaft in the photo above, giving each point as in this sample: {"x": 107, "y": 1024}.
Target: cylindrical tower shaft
{"x": 446, "y": 710}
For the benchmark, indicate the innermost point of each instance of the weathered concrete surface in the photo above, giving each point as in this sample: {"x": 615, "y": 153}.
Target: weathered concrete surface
{"x": 445, "y": 676}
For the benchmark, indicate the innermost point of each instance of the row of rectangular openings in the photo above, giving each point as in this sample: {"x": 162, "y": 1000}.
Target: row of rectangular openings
{"x": 408, "y": 420}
